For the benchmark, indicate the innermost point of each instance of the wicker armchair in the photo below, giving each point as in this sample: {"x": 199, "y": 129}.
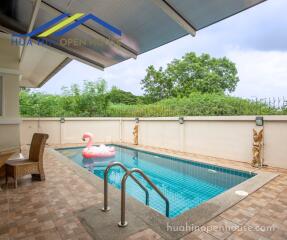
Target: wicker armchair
{"x": 33, "y": 165}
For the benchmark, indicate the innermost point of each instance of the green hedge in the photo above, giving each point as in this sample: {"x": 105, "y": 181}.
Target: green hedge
{"x": 195, "y": 105}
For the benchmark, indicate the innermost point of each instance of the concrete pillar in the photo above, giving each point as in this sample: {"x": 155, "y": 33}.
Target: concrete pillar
{"x": 9, "y": 77}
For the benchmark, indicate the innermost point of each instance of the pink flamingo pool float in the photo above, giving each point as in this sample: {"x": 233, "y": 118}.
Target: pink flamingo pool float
{"x": 91, "y": 151}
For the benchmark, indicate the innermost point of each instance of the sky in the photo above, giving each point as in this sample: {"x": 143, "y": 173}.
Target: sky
{"x": 255, "y": 40}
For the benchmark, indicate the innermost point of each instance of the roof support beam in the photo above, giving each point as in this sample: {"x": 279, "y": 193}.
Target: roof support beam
{"x": 56, "y": 70}
{"x": 10, "y": 71}
{"x": 31, "y": 26}
{"x": 68, "y": 52}
{"x": 74, "y": 54}
{"x": 173, "y": 13}
{"x": 116, "y": 43}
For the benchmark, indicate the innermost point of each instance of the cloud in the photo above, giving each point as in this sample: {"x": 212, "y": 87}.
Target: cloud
{"x": 262, "y": 74}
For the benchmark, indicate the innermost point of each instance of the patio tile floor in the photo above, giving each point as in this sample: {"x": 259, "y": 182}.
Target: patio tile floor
{"x": 48, "y": 209}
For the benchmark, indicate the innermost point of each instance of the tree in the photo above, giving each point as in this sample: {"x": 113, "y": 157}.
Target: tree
{"x": 192, "y": 73}
{"x": 118, "y": 96}
{"x": 90, "y": 101}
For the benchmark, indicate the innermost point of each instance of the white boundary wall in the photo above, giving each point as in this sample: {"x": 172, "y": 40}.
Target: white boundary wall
{"x": 222, "y": 137}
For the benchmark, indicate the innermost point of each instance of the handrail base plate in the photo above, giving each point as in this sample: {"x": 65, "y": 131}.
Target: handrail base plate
{"x": 106, "y": 209}
{"x": 123, "y": 225}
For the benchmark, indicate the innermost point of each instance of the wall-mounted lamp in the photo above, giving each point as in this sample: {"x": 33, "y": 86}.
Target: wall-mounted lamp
{"x": 137, "y": 120}
{"x": 259, "y": 121}
{"x": 62, "y": 120}
{"x": 181, "y": 120}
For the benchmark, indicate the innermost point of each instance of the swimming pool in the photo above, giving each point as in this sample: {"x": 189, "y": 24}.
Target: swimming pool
{"x": 185, "y": 183}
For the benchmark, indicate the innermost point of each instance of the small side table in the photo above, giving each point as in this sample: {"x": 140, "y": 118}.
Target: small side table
{"x": 5, "y": 154}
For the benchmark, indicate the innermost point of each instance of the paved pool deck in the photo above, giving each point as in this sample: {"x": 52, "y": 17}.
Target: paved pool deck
{"x": 67, "y": 206}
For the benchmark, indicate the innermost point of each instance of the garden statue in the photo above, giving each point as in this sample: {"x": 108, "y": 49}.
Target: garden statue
{"x": 136, "y": 134}
{"x": 257, "y": 148}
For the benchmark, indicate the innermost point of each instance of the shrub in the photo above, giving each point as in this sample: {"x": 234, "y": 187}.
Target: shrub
{"x": 195, "y": 105}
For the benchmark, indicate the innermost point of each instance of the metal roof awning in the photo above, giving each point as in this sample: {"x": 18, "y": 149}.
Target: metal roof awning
{"x": 144, "y": 25}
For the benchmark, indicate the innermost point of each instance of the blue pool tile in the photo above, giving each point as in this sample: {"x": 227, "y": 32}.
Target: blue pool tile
{"x": 185, "y": 183}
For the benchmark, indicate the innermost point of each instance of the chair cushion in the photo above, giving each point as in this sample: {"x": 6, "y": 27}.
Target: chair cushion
{"x": 19, "y": 162}
{"x": 17, "y": 157}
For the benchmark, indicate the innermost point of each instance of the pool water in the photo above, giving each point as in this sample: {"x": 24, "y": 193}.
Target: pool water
{"x": 185, "y": 183}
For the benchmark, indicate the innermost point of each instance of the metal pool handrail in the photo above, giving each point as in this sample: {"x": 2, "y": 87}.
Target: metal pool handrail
{"x": 123, "y": 222}
{"x": 106, "y": 207}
